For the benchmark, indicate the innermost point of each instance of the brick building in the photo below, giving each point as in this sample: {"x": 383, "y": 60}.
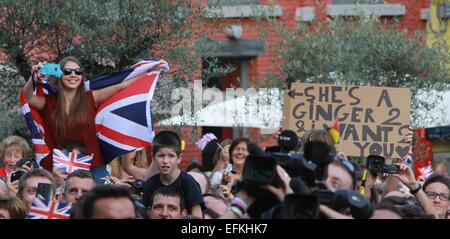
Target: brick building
{"x": 253, "y": 56}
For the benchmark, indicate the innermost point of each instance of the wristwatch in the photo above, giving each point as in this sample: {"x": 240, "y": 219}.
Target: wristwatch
{"x": 414, "y": 191}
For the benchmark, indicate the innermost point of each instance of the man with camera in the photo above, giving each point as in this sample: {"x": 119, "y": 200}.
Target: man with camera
{"x": 29, "y": 185}
{"x": 406, "y": 176}
{"x": 266, "y": 183}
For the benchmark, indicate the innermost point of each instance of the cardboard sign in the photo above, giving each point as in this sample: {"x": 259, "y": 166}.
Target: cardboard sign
{"x": 373, "y": 120}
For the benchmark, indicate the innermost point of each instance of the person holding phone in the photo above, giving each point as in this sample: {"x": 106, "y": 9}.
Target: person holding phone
{"x": 12, "y": 150}
{"x": 28, "y": 185}
{"x": 70, "y": 115}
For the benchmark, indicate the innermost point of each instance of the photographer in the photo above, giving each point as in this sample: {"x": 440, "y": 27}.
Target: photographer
{"x": 28, "y": 184}
{"x": 22, "y": 166}
{"x": 321, "y": 181}
{"x": 12, "y": 150}
{"x": 244, "y": 200}
{"x": 406, "y": 176}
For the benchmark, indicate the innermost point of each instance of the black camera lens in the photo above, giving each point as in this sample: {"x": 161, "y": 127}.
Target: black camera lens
{"x": 105, "y": 181}
{"x": 378, "y": 165}
{"x": 138, "y": 184}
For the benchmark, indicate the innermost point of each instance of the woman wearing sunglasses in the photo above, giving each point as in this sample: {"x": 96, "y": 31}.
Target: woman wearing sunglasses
{"x": 71, "y": 114}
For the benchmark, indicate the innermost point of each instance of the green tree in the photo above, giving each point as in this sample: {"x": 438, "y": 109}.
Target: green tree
{"x": 106, "y": 35}
{"x": 365, "y": 51}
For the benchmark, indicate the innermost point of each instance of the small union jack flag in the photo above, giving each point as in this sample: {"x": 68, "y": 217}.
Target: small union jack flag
{"x": 408, "y": 159}
{"x": 204, "y": 140}
{"x": 44, "y": 209}
{"x": 69, "y": 162}
{"x": 426, "y": 171}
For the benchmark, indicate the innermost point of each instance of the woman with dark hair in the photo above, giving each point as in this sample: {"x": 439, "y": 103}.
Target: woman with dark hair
{"x": 240, "y": 149}
{"x": 70, "y": 115}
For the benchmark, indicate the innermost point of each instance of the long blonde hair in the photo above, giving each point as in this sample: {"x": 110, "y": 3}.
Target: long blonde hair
{"x": 78, "y": 112}
{"x": 140, "y": 160}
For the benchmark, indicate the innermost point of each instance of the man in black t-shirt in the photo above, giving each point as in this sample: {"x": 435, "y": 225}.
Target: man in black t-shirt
{"x": 167, "y": 155}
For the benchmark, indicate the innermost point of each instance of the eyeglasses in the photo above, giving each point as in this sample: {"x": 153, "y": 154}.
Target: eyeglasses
{"x": 433, "y": 195}
{"x": 68, "y": 71}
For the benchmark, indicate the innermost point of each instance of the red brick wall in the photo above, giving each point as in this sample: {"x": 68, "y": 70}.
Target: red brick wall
{"x": 269, "y": 62}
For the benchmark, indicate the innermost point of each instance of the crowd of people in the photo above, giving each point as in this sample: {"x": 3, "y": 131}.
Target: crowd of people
{"x": 226, "y": 191}
{"x": 310, "y": 180}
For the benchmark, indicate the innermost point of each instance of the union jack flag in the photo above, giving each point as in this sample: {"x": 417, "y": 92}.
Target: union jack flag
{"x": 408, "y": 159}
{"x": 130, "y": 106}
{"x": 44, "y": 209}
{"x": 69, "y": 162}
{"x": 124, "y": 122}
{"x": 35, "y": 125}
{"x": 204, "y": 140}
{"x": 426, "y": 171}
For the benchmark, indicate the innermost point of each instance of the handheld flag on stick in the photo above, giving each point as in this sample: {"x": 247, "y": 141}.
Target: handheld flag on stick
{"x": 408, "y": 159}
{"x": 362, "y": 189}
{"x": 426, "y": 171}
{"x": 69, "y": 162}
{"x": 205, "y": 139}
{"x": 334, "y": 131}
{"x": 43, "y": 209}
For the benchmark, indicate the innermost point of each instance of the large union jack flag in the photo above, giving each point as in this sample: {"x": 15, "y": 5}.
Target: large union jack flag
{"x": 204, "y": 140}
{"x": 35, "y": 125}
{"x": 129, "y": 127}
{"x": 124, "y": 122}
{"x": 45, "y": 209}
{"x": 69, "y": 162}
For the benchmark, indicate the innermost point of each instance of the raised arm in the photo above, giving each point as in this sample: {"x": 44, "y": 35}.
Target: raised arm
{"x": 35, "y": 101}
{"x": 103, "y": 94}
{"x": 406, "y": 176}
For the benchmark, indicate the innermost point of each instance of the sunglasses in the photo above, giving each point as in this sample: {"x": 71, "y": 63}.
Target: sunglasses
{"x": 68, "y": 71}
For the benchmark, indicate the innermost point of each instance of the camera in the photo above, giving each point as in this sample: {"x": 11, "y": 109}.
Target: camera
{"x": 306, "y": 206}
{"x": 346, "y": 201}
{"x": 258, "y": 170}
{"x": 308, "y": 172}
{"x": 106, "y": 181}
{"x": 376, "y": 164}
{"x": 137, "y": 187}
{"x": 310, "y": 165}
{"x": 16, "y": 175}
